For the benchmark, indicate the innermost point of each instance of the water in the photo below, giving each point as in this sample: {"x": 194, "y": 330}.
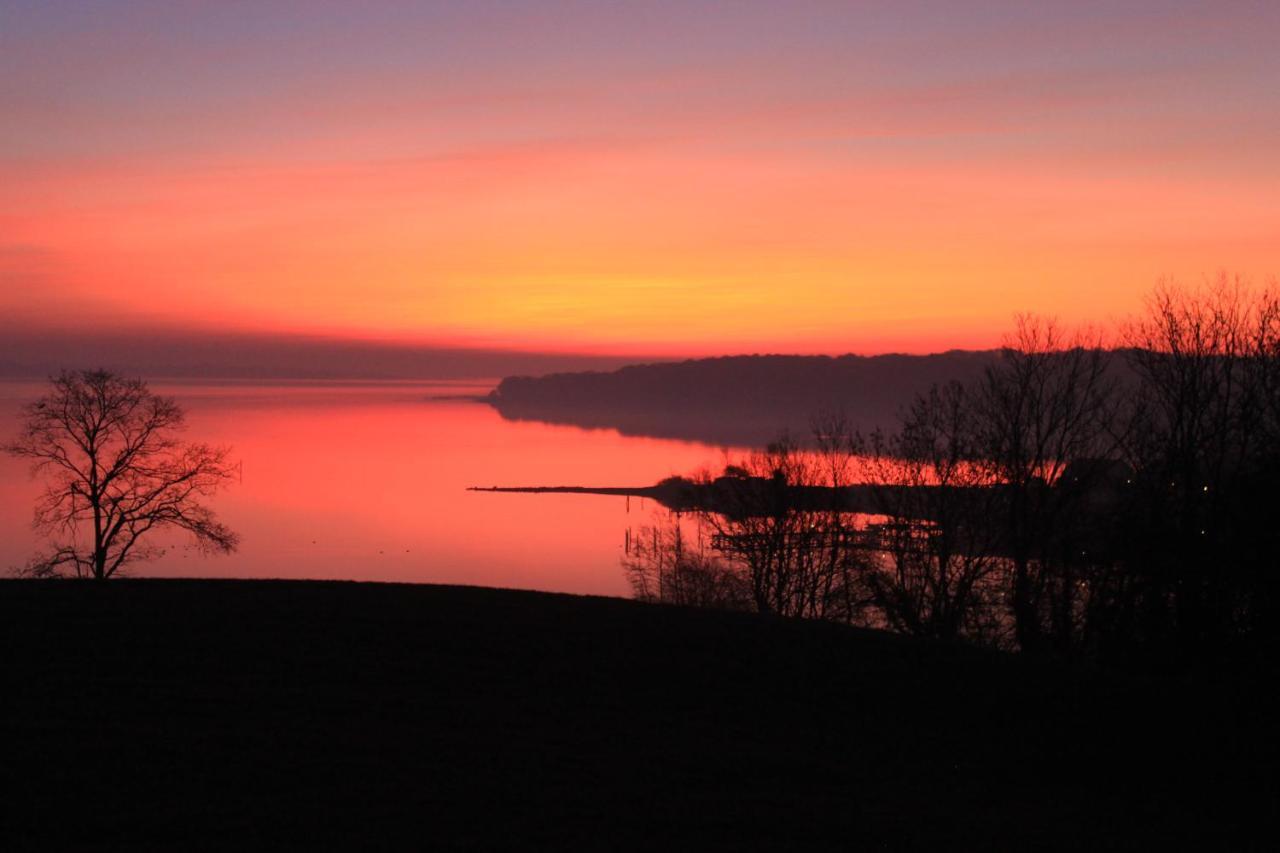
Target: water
{"x": 367, "y": 482}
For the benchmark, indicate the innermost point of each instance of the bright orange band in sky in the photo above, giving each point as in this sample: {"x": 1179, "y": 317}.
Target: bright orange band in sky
{"x": 714, "y": 184}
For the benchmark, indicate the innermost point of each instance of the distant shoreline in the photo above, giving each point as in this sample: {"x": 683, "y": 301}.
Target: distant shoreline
{"x": 735, "y": 401}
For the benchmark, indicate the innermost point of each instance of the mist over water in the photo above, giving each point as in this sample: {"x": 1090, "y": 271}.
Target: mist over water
{"x": 367, "y": 481}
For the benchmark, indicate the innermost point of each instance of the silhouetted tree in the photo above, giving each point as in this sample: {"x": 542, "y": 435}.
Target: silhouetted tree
{"x": 1071, "y": 500}
{"x": 666, "y": 564}
{"x": 1048, "y": 402}
{"x": 782, "y": 524}
{"x": 1202, "y": 437}
{"x": 938, "y": 573}
{"x": 116, "y": 473}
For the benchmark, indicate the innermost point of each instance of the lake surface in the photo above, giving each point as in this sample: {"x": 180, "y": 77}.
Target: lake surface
{"x": 367, "y": 481}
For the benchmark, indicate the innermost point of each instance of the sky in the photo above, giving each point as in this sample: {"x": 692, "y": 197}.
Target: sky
{"x": 665, "y": 179}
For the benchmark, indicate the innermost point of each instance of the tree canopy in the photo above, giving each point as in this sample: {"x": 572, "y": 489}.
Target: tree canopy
{"x": 116, "y": 471}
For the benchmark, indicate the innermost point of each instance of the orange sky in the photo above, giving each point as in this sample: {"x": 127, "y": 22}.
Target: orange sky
{"x": 675, "y": 182}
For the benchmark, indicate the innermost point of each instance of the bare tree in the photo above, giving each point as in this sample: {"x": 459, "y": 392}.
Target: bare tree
{"x": 938, "y": 571}
{"x": 667, "y": 563}
{"x": 1071, "y": 500}
{"x": 1047, "y": 404}
{"x": 1203, "y": 437}
{"x": 839, "y": 453}
{"x": 783, "y": 524}
{"x": 772, "y": 533}
{"x": 116, "y": 473}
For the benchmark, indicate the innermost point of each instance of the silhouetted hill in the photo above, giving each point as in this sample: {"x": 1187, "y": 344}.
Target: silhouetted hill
{"x": 734, "y": 400}
{"x": 192, "y": 715}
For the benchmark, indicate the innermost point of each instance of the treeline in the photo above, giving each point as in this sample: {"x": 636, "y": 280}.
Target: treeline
{"x": 1074, "y": 499}
{"x": 732, "y": 401}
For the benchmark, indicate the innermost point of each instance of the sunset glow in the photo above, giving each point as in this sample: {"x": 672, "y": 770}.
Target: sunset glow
{"x": 629, "y": 178}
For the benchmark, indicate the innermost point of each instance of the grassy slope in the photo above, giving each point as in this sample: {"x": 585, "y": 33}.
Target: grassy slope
{"x": 178, "y": 714}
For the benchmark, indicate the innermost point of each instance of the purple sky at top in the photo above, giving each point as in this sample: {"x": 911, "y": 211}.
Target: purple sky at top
{"x": 1082, "y": 126}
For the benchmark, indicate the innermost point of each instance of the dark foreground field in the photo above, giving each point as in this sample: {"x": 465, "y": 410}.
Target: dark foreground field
{"x": 177, "y": 715}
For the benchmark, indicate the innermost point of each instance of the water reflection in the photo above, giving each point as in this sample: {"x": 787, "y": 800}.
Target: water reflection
{"x": 366, "y": 481}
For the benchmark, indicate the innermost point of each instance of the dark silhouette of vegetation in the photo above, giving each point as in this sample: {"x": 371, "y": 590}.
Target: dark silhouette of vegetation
{"x": 1046, "y": 405}
{"x": 937, "y": 572}
{"x": 1072, "y": 499}
{"x": 116, "y": 473}
{"x": 665, "y": 562}
{"x": 735, "y": 401}
{"x": 1200, "y": 543}
{"x": 337, "y": 715}
{"x": 796, "y": 552}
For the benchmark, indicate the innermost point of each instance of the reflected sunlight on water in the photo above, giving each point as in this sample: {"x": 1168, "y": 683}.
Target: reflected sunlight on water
{"x": 366, "y": 481}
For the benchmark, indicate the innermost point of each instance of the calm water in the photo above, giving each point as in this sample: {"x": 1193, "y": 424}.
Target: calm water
{"x": 367, "y": 482}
